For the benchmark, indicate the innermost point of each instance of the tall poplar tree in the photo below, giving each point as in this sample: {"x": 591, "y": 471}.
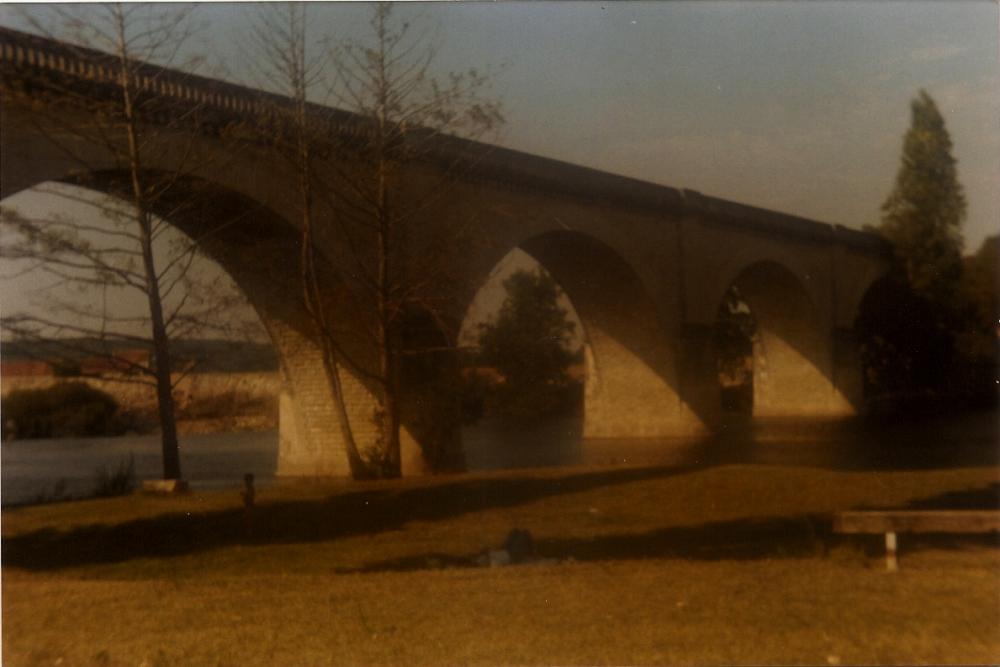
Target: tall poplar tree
{"x": 922, "y": 217}
{"x": 908, "y": 323}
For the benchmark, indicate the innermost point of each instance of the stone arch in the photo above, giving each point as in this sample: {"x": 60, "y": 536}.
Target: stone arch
{"x": 812, "y": 281}
{"x": 429, "y": 401}
{"x": 631, "y": 376}
{"x": 900, "y": 346}
{"x": 793, "y": 354}
{"x": 258, "y": 249}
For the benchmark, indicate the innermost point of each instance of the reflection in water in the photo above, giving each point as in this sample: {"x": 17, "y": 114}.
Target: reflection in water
{"x": 845, "y": 444}
{"x": 34, "y": 468}
{"x": 490, "y": 446}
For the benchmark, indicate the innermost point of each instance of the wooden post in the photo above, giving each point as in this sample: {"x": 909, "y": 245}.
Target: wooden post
{"x": 248, "y": 503}
{"x": 891, "y": 564}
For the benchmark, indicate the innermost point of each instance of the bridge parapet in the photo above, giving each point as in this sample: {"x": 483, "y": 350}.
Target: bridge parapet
{"x": 785, "y": 224}
{"x": 26, "y": 54}
{"x": 23, "y": 53}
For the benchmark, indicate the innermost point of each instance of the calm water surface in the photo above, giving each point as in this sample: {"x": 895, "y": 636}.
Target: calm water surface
{"x": 34, "y": 469}
{"x": 846, "y": 444}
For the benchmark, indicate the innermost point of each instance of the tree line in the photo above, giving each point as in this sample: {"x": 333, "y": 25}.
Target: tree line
{"x": 930, "y": 329}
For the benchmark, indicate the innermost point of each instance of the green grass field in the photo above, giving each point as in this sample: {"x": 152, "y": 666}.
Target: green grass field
{"x": 733, "y": 564}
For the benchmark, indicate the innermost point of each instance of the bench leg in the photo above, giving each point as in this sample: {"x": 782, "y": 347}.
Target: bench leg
{"x": 891, "y": 564}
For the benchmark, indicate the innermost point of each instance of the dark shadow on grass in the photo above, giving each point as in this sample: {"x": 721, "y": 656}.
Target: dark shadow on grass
{"x": 807, "y": 536}
{"x": 369, "y": 511}
{"x": 743, "y": 539}
{"x": 361, "y": 512}
{"x": 984, "y": 498}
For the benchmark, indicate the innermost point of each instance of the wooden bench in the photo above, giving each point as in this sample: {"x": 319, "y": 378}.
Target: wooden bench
{"x": 891, "y": 522}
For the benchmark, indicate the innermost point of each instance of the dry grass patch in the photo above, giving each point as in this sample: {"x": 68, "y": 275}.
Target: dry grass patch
{"x": 648, "y": 566}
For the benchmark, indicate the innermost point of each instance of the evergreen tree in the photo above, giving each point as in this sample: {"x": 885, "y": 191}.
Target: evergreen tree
{"x": 923, "y": 215}
{"x": 909, "y": 321}
{"x": 977, "y": 342}
{"x": 529, "y": 345}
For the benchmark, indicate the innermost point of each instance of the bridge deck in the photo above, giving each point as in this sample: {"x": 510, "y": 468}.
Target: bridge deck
{"x": 24, "y": 54}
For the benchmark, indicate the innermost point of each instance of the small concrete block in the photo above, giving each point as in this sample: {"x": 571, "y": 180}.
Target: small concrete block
{"x": 164, "y": 486}
{"x": 498, "y": 557}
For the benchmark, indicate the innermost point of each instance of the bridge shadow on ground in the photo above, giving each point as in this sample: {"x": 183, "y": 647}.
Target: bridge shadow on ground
{"x": 361, "y": 512}
{"x": 985, "y": 498}
{"x": 373, "y": 511}
{"x": 759, "y": 538}
{"x": 744, "y": 539}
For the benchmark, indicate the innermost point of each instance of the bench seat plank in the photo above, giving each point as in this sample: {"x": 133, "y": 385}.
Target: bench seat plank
{"x": 917, "y": 521}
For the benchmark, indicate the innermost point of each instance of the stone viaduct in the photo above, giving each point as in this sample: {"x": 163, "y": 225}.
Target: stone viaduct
{"x": 646, "y": 266}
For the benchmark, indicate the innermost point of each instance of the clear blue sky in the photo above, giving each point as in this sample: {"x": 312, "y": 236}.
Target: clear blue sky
{"x": 796, "y": 106}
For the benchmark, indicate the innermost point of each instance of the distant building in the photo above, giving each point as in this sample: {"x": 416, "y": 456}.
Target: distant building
{"x": 26, "y": 368}
{"x": 122, "y": 361}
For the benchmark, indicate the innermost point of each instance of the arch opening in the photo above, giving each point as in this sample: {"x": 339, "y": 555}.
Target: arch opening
{"x": 734, "y": 340}
{"x": 627, "y": 363}
{"x": 536, "y": 417}
{"x": 89, "y": 322}
{"x": 902, "y": 349}
{"x": 772, "y": 348}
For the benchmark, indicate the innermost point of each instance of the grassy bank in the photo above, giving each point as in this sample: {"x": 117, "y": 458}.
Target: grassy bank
{"x": 642, "y": 565}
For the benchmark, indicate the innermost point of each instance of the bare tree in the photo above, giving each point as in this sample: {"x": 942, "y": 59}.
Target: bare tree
{"x": 357, "y": 193}
{"x": 284, "y": 63}
{"x": 125, "y": 117}
{"x": 409, "y": 118}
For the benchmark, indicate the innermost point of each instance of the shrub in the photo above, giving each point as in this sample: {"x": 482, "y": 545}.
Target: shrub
{"x": 63, "y": 410}
{"x": 121, "y": 482}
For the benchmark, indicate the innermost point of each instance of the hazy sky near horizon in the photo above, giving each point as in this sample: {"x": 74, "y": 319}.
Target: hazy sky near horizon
{"x": 795, "y": 106}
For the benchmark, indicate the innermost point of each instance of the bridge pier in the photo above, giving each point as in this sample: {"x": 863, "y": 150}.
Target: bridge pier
{"x": 625, "y": 398}
{"x": 310, "y": 441}
{"x": 805, "y": 379}
{"x": 848, "y": 371}
{"x": 700, "y": 374}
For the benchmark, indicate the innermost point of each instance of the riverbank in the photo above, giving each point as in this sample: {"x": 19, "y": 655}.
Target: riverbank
{"x": 640, "y": 565}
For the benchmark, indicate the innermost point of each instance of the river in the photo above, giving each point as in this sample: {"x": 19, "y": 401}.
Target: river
{"x": 33, "y": 470}
{"x": 969, "y": 440}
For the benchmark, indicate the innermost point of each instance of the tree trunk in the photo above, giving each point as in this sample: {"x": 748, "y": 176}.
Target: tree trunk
{"x": 310, "y": 281}
{"x": 161, "y": 346}
{"x": 332, "y": 370}
{"x": 390, "y": 421}
{"x": 164, "y": 390}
